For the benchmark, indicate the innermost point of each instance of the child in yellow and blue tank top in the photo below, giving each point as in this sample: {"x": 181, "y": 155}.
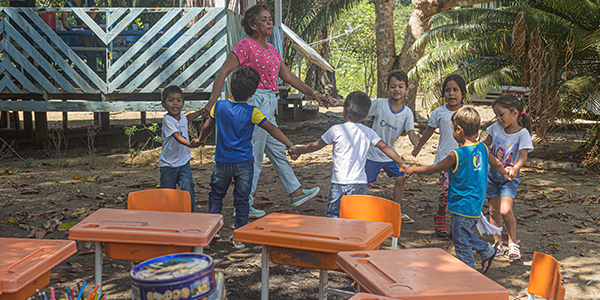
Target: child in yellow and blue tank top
{"x": 467, "y": 173}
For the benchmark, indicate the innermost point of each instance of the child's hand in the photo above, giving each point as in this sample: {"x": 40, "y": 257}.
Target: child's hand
{"x": 195, "y": 143}
{"x": 511, "y": 173}
{"x": 335, "y": 102}
{"x": 201, "y": 143}
{"x": 293, "y": 152}
{"x": 416, "y": 151}
{"x": 408, "y": 172}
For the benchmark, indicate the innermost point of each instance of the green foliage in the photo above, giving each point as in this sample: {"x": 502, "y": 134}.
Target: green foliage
{"x": 29, "y": 162}
{"x": 130, "y": 131}
{"x": 357, "y": 68}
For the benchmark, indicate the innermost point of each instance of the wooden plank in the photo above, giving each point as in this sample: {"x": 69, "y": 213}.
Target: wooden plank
{"x": 92, "y": 25}
{"x": 210, "y": 71}
{"x": 142, "y": 41}
{"x": 95, "y": 106}
{"x": 134, "y": 13}
{"x": 14, "y": 54}
{"x": 144, "y": 57}
{"x": 7, "y": 83}
{"x": 186, "y": 56}
{"x": 203, "y": 59}
{"x": 57, "y": 58}
{"x": 114, "y": 14}
{"x": 20, "y": 77}
{"x": 73, "y": 57}
{"x": 44, "y": 64}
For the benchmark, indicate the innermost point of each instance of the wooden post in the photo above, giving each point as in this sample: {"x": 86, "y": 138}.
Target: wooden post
{"x": 15, "y": 120}
{"x": 41, "y": 129}
{"x": 65, "y": 119}
{"x": 105, "y": 120}
{"x": 28, "y": 123}
{"x": 4, "y": 119}
{"x": 143, "y": 117}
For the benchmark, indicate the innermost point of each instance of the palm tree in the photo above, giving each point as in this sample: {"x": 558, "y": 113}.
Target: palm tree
{"x": 548, "y": 46}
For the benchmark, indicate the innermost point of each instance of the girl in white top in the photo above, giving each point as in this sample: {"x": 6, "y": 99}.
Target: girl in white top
{"x": 510, "y": 143}
{"x": 454, "y": 90}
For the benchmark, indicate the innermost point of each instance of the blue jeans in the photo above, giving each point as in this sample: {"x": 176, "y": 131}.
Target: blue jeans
{"x": 465, "y": 240}
{"x": 182, "y": 176}
{"x": 241, "y": 173}
{"x": 336, "y": 193}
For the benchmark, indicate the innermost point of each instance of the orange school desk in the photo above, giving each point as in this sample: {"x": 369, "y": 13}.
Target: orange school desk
{"x": 365, "y": 296}
{"x": 141, "y": 234}
{"x": 26, "y": 263}
{"x": 309, "y": 242}
{"x": 424, "y": 274}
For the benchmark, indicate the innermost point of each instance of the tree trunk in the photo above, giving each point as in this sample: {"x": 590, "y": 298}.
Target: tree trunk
{"x": 386, "y": 48}
{"x": 417, "y": 25}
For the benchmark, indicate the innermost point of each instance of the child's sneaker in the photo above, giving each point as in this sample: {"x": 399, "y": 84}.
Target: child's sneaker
{"x": 254, "y": 213}
{"x": 218, "y": 234}
{"x": 308, "y": 194}
{"x": 236, "y": 244}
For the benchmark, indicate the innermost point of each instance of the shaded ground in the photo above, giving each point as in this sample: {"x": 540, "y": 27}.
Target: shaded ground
{"x": 558, "y": 213}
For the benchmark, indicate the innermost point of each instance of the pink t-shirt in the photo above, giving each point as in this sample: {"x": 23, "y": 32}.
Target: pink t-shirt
{"x": 266, "y": 62}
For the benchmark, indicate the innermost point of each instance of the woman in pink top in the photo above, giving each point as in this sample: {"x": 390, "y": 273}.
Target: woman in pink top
{"x": 254, "y": 51}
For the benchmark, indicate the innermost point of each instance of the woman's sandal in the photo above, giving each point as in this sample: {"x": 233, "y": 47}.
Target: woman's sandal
{"x": 486, "y": 264}
{"x": 514, "y": 252}
{"x": 441, "y": 228}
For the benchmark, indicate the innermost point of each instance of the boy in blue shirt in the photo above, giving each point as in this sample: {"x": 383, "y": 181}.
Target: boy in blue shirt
{"x": 235, "y": 120}
{"x": 468, "y": 171}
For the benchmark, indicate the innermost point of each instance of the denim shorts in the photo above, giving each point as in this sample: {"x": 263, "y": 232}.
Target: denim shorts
{"x": 497, "y": 186}
{"x": 336, "y": 193}
{"x": 372, "y": 169}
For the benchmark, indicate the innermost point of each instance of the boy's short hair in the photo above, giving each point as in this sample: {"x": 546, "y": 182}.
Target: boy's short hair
{"x": 468, "y": 119}
{"x": 172, "y": 89}
{"x": 398, "y": 74}
{"x": 244, "y": 82}
{"x": 357, "y": 106}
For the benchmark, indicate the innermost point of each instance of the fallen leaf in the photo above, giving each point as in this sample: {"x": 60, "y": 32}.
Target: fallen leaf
{"x": 29, "y": 192}
{"x": 586, "y": 230}
{"x": 67, "y": 226}
{"x": 84, "y": 252}
{"x": 6, "y": 172}
{"x": 11, "y": 220}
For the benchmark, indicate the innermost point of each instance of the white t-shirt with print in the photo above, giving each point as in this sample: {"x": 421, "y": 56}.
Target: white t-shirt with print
{"x": 351, "y": 143}
{"x": 440, "y": 118}
{"x": 389, "y": 125}
{"x": 505, "y": 147}
{"x": 174, "y": 154}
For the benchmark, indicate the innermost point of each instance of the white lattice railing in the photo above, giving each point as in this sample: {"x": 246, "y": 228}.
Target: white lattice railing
{"x": 174, "y": 50}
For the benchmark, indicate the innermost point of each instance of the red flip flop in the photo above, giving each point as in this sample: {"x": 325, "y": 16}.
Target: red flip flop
{"x": 441, "y": 228}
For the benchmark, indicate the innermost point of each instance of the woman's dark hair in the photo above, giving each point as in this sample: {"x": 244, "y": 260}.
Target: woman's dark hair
{"x": 459, "y": 81}
{"x": 244, "y": 82}
{"x": 251, "y": 15}
{"x": 513, "y": 103}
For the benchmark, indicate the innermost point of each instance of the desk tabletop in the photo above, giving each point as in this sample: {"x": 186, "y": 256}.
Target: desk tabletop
{"x": 24, "y": 260}
{"x": 148, "y": 227}
{"x": 365, "y": 296}
{"x": 425, "y": 273}
{"x": 314, "y": 233}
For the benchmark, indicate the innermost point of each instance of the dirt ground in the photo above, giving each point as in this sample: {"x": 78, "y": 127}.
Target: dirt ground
{"x": 558, "y": 212}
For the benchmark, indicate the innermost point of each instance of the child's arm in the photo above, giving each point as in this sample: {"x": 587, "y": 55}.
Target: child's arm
{"x": 276, "y": 133}
{"x": 514, "y": 170}
{"x": 426, "y": 135}
{"x": 445, "y": 164}
{"x": 182, "y": 140}
{"x": 209, "y": 124}
{"x": 488, "y": 140}
{"x": 312, "y": 147}
{"x": 413, "y": 137}
{"x": 497, "y": 165}
{"x": 391, "y": 153}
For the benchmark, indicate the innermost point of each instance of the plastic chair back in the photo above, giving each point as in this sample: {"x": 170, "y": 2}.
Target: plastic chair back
{"x": 160, "y": 200}
{"x": 372, "y": 208}
{"x": 545, "y": 278}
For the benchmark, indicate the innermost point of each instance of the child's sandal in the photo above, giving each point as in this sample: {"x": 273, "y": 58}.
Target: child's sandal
{"x": 500, "y": 249}
{"x": 514, "y": 252}
{"x": 441, "y": 228}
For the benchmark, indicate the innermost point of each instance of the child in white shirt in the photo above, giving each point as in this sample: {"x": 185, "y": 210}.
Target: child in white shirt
{"x": 351, "y": 141}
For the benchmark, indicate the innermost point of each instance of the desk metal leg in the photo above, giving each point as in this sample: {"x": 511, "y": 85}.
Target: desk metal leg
{"x": 322, "y": 285}
{"x": 264, "y": 291}
{"x": 98, "y": 262}
{"x": 199, "y": 250}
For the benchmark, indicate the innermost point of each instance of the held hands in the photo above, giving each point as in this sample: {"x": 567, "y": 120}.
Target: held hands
{"x": 511, "y": 173}
{"x": 293, "y": 153}
{"x": 408, "y": 171}
{"x": 335, "y": 102}
{"x": 195, "y": 143}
